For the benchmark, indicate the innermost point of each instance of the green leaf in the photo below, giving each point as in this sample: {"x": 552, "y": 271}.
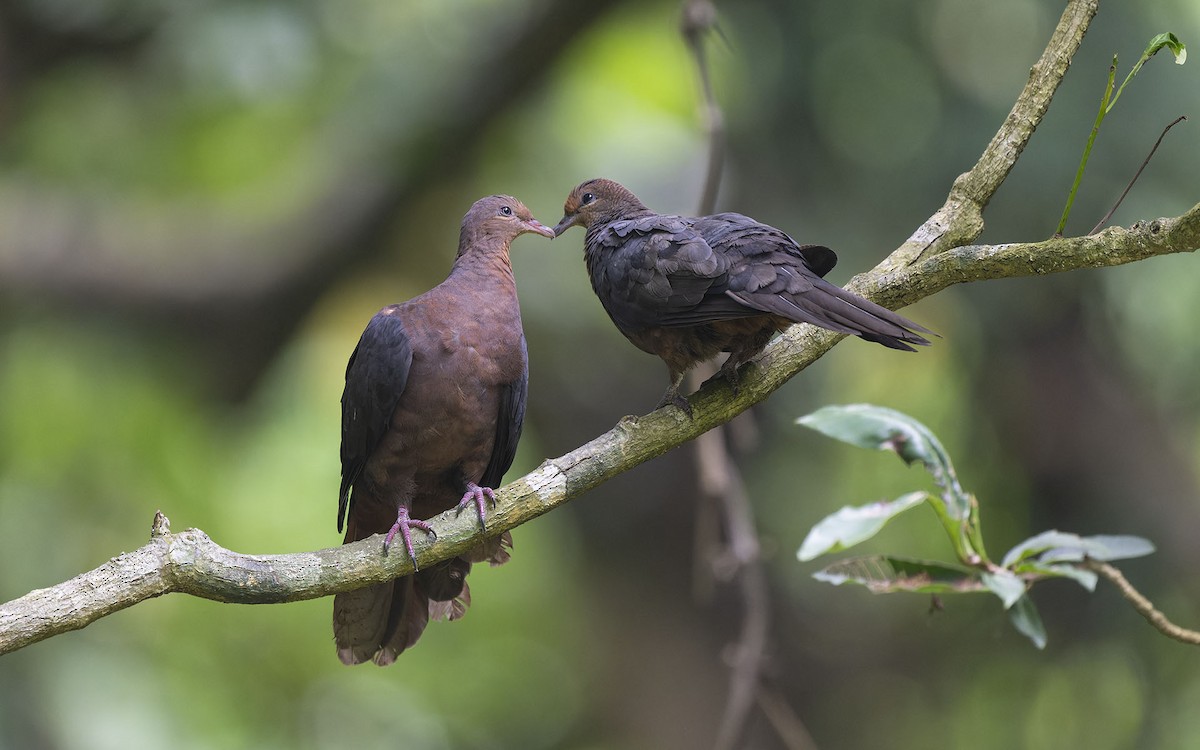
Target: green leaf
{"x": 964, "y": 533}
{"x": 851, "y": 525}
{"x": 1170, "y": 41}
{"x": 1100, "y": 547}
{"x": 1027, "y": 621}
{"x": 884, "y": 574}
{"x": 1004, "y": 584}
{"x": 1059, "y": 546}
{"x": 878, "y": 428}
{"x": 1108, "y": 547}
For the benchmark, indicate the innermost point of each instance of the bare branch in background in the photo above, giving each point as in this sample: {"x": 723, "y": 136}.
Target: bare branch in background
{"x": 698, "y": 23}
{"x": 720, "y": 479}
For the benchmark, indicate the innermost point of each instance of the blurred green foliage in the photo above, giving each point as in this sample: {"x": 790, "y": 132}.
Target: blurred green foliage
{"x": 184, "y": 136}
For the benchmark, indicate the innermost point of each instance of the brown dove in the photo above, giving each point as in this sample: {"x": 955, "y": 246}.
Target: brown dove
{"x": 687, "y": 288}
{"x": 431, "y": 414}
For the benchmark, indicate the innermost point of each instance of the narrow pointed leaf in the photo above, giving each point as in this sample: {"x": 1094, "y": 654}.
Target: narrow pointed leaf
{"x": 853, "y": 524}
{"x": 1115, "y": 547}
{"x": 1027, "y": 621}
{"x": 878, "y": 428}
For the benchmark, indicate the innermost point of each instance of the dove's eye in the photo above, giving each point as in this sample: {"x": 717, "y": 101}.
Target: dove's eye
{"x": 506, "y": 210}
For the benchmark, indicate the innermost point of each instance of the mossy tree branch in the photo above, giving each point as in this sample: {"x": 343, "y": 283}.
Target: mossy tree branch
{"x": 936, "y": 257}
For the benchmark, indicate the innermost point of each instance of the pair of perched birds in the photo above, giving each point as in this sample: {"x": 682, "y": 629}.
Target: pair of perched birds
{"x": 436, "y": 388}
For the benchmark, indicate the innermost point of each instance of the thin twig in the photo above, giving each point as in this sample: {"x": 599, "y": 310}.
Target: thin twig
{"x": 1143, "y": 605}
{"x": 785, "y": 721}
{"x": 748, "y": 655}
{"x": 1136, "y": 175}
{"x": 721, "y": 483}
{"x": 699, "y": 20}
{"x": 720, "y": 479}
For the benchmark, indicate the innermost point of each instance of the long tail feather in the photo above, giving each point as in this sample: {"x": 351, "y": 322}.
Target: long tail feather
{"x": 836, "y": 309}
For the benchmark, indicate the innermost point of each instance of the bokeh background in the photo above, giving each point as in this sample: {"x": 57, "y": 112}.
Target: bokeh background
{"x": 201, "y": 204}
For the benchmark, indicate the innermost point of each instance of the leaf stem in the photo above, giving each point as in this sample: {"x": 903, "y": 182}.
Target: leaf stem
{"x": 1087, "y": 150}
